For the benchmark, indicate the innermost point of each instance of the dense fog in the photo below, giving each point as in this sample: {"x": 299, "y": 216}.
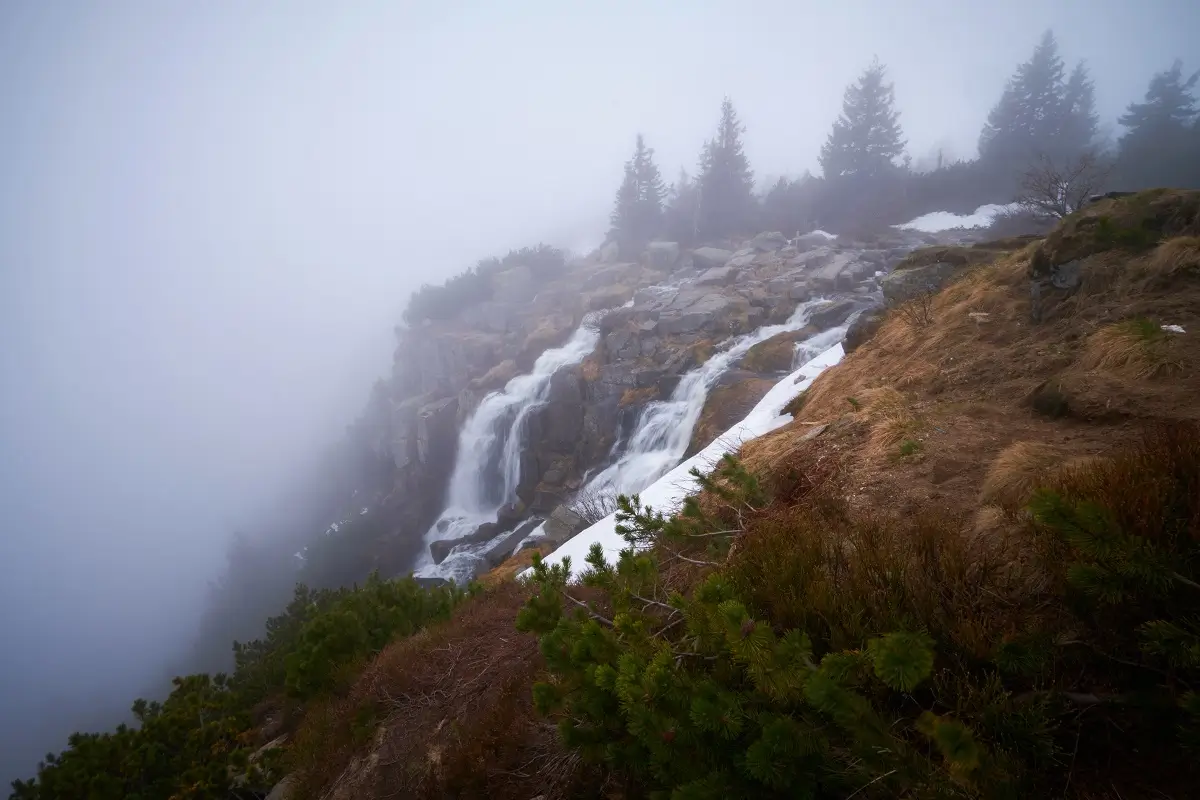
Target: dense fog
{"x": 212, "y": 214}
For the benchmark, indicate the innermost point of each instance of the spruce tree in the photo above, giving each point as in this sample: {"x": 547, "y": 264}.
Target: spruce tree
{"x": 1078, "y": 118}
{"x": 866, "y": 138}
{"x": 680, "y": 214}
{"x": 726, "y": 181}
{"x": 1025, "y": 123}
{"x": 638, "y": 209}
{"x": 1159, "y": 147}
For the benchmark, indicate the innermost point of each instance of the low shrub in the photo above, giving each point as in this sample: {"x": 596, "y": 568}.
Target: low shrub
{"x": 819, "y": 650}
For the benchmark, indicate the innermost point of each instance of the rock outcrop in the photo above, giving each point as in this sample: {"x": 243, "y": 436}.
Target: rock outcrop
{"x": 664, "y": 313}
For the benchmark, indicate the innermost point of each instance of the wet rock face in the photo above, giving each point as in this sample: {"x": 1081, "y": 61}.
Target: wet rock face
{"x": 863, "y": 328}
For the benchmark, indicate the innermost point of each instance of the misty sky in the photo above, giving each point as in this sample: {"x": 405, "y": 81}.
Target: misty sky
{"x": 211, "y": 214}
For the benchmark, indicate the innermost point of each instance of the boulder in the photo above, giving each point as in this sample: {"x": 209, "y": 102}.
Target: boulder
{"x": 708, "y": 257}
{"x": 902, "y": 285}
{"x": 662, "y": 255}
{"x": 717, "y": 276}
{"x": 511, "y": 512}
{"x": 502, "y": 546}
{"x": 546, "y": 496}
{"x": 863, "y": 328}
{"x": 768, "y": 242}
{"x": 285, "y": 789}
{"x": 830, "y": 314}
{"x": 742, "y": 258}
{"x": 704, "y": 312}
{"x": 799, "y": 292}
{"x": 808, "y": 241}
{"x": 825, "y": 277}
{"x": 442, "y": 547}
{"x": 561, "y": 525}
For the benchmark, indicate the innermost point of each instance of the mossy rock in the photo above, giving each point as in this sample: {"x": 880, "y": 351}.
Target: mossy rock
{"x": 1136, "y": 222}
{"x": 773, "y": 355}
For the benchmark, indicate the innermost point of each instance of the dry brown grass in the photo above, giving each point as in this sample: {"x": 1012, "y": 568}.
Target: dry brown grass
{"x": 1175, "y": 256}
{"x": 589, "y": 370}
{"x": 1016, "y": 472}
{"x": 1135, "y": 348}
{"x": 444, "y": 713}
{"x": 511, "y": 567}
{"x": 844, "y": 575}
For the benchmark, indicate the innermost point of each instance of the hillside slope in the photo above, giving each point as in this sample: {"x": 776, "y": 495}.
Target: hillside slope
{"x": 909, "y": 616}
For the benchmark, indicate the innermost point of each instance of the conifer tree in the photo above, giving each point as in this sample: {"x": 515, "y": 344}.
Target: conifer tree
{"x": 1079, "y": 118}
{"x": 680, "y": 214}
{"x": 726, "y": 182}
{"x": 866, "y": 138}
{"x": 1025, "y": 123}
{"x": 1160, "y": 146}
{"x": 637, "y": 212}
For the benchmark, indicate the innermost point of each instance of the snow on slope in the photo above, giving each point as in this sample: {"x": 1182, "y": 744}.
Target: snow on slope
{"x": 669, "y": 491}
{"x": 943, "y": 220}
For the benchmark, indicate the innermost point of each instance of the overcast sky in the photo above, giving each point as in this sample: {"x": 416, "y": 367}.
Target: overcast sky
{"x": 211, "y": 213}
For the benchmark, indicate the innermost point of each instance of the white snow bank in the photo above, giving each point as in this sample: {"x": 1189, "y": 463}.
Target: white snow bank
{"x": 819, "y": 232}
{"x": 943, "y": 220}
{"x": 1173, "y": 328}
{"x": 668, "y": 492}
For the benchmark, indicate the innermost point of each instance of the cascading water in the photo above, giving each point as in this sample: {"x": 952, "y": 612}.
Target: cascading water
{"x": 487, "y": 469}
{"x": 664, "y": 428}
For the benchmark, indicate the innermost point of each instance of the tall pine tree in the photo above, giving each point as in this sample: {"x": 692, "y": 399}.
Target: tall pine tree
{"x": 866, "y": 138}
{"x": 638, "y": 210}
{"x": 726, "y": 182}
{"x": 1026, "y": 122}
{"x": 1162, "y": 144}
{"x": 680, "y": 217}
{"x": 1078, "y": 118}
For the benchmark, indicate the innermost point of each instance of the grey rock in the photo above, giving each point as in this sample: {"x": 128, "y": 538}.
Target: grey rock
{"x": 863, "y": 328}
{"x": 285, "y": 789}
{"x": 799, "y": 292}
{"x": 500, "y": 548}
{"x": 902, "y": 285}
{"x": 561, "y": 525}
{"x": 1068, "y": 276}
{"x": 825, "y": 277}
{"x": 708, "y": 257}
{"x": 768, "y": 242}
{"x": 830, "y": 314}
{"x": 610, "y": 252}
{"x": 662, "y": 255}
{"x": 704, "y": 312}
{"x": 442, "y": 547}
{"x": 742, "y": 258}
{"x": 437, "y": 430}
{"x": 717, "y": 276}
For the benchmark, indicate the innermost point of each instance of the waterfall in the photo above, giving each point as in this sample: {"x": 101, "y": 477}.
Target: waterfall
{"x": 665, "y": 427}
{"x": 487, "y": 469}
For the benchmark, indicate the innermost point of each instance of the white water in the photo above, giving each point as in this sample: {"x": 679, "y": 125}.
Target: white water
{"x": 490, "y": 443}
{"x": 666, "y": 493}
{"x": 665, "y": 427}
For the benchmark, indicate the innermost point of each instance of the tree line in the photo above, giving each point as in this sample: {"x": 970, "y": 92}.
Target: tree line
{"x": 1044, "y": 115}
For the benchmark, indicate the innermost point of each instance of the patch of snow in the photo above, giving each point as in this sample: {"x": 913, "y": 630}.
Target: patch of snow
{"x": 1173, "y": 328}
{"x": 364, "y": 511}
{"x": 667, "y": 493}
{"x": 937, "y": 221}
{"x": 819, "y": 232}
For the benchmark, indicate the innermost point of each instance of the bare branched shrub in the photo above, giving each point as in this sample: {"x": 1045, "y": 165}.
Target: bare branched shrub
{"x": 1051, "y": 191}
{"x": 917, "y": 311}
{"x": 593, "y": 505}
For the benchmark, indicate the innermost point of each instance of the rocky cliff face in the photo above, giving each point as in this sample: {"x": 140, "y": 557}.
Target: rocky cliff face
{"x": 665, "y": 315}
